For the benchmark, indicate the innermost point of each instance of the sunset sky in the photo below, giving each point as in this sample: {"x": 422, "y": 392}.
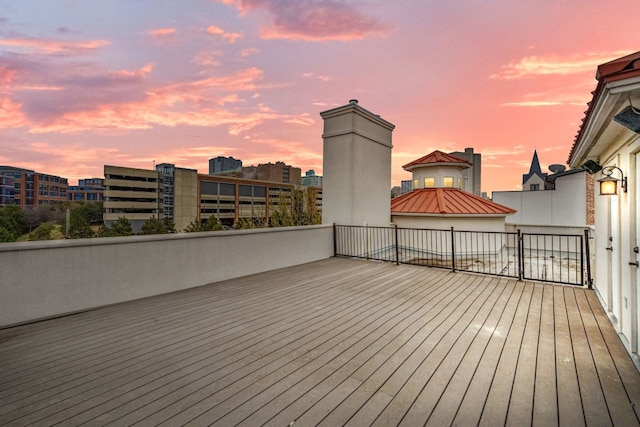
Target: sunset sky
{"x": 124, "y": 82}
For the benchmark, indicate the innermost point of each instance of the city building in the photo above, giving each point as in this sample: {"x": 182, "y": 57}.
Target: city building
{"x": 223, "y": 164}
{"x": 134, "y": 194}
{"x": 310, "y": 179}
{"x": 472, "y": 176}
{"x": 607, "y": 145}
{"x": 32, "y": 188}
{"x": 7, "y": 189}
{"x": 437, "y": 200}
{"x": 87, "y": 190}
{"x": 406, "y": 185}
{"x": 273, "y": 172}
{"x": 183, "y": 195}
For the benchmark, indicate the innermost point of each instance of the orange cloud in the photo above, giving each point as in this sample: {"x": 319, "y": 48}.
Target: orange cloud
{"x": 65, "y": 47}
{"x": 11, "y": 115}
{"x": 555, "y": 65}
{"x": 231, "y": 37}
{"x": 130, "y": 75}
{"x": 186, "y": 103}
{"x": 161, "y": 32}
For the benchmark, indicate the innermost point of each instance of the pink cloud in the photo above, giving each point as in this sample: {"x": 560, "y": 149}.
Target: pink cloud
{"x": 231, "y": 37}
{"x": 313, "y": 20}
{"x": 11, "y": 114}
{"x": 186, "y": 103}
{"x": 556, "y": 65}
{"x": 64, "y": 47}
{"x": 162, "y": 32}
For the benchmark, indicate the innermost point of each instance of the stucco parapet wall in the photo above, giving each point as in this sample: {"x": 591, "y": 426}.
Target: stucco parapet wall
{"x": 51, "y": 244}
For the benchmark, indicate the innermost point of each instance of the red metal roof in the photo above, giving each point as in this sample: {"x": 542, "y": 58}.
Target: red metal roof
{"x": 437, "y": 157}
{"x": 446, "y": 201}
{"x": 618, "y": 69}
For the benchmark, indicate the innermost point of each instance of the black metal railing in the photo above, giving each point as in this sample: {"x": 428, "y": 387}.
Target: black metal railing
{"x": 560, "y": 258}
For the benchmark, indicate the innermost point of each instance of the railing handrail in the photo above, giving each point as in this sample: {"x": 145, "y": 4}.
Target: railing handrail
{"x": 537, "y": 256}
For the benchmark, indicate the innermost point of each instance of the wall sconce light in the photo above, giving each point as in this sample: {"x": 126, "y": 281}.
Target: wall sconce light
{"x": 609, "y": 184}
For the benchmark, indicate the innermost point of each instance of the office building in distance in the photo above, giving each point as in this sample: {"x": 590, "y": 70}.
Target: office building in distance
{"x": 31, "y": 188}
{"x": 183, "y": 195}
{"x": 222, "y": 164}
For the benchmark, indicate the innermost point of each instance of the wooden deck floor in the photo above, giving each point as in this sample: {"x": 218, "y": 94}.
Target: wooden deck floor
{"x": 336, "y": 342}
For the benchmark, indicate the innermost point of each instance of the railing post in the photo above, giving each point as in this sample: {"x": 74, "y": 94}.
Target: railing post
{"x": 395, "y": 226}
{"x": 587, "y": 253}
{"x": 520, "y": 251}
{"x": 453, "y": 250}
{"x": 335, "y": 243}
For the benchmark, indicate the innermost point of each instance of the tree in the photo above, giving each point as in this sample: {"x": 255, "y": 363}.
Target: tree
{"x": 79, "y": 227}
{"x": 211, "y": 224}
{"x": 92, "y": 211}
{"x": 158, "y": 226}
{"x": 280, "y": 215}
{"x": 12, "y": 223}
{"x": 244, "y": 224}
{"x": 42, "y": 232}
{"x": 120, "y": 227}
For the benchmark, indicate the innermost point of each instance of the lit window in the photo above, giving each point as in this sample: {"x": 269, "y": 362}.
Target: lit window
{"x": 459, "y": 182}
{"x": 415, "y": 184}
{"x": 429, "y": 182}
{"x": 447, "y": 181}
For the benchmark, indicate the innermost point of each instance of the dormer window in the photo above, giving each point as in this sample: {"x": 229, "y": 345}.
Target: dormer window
{"x": 429, "y": 182}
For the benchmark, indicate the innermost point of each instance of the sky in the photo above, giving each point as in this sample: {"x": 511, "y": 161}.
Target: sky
{"x": 133, "y": 83}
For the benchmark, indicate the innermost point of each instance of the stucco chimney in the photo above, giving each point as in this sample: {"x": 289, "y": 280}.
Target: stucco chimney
{"x": 356, "y": 167}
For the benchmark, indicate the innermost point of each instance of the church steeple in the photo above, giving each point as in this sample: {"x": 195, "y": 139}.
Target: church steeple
{"x": 534, "y": 169}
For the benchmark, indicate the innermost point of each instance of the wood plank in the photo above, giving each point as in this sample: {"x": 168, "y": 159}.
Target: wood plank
{"x": 497, "y": 404}
{"x": 336, "y": 342}
{"x": 628, "y": 374}
{"x": 545, "y": 399}
{"x": 473, "y": 402}
{"x": 570, "y": 411}
{"x": 593, "y": 401}
{"x": 618, "y": 402}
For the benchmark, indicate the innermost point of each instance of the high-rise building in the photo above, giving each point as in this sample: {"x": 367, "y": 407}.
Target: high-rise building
{"x": 471, "y": 177}
{"x": 310, "y": 179}
{"x": 185, "y": 196}
{"x": 406, "y": 185}
{"x": 222, "y": 164}
{"x": 32, "y": 188}
{"x": 135, "y": 194}
{"x": 273, "y": 172}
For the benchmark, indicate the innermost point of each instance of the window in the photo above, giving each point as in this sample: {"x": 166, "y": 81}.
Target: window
{"x": 534, "y": 187}
{"x": 447, "y": 181}
{"x": 415, "y": 184}
{"x": 429, "y": 182}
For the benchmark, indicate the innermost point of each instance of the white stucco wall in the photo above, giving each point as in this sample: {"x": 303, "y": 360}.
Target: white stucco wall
{"x": 564, "y": 206}
{"x": 438, "y": 173}
{"x": 356, "y": 167}
{"x": 45, "y": 279}
{"x": 446, "y": 222}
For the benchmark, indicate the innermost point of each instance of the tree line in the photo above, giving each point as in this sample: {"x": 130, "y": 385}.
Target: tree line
{"x": 48, "y": 222}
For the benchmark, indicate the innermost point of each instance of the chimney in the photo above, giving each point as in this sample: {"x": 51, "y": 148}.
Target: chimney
{"x": 356, "y": 167}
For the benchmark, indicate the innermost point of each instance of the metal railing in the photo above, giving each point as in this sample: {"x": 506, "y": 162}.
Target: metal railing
{"x": 559, "y": 258}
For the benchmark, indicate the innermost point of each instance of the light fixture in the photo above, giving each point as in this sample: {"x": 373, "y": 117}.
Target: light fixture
{"x": 592, "y": 166}
{"x": 629, "y": 117}
{"x": 609, "y": 184}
